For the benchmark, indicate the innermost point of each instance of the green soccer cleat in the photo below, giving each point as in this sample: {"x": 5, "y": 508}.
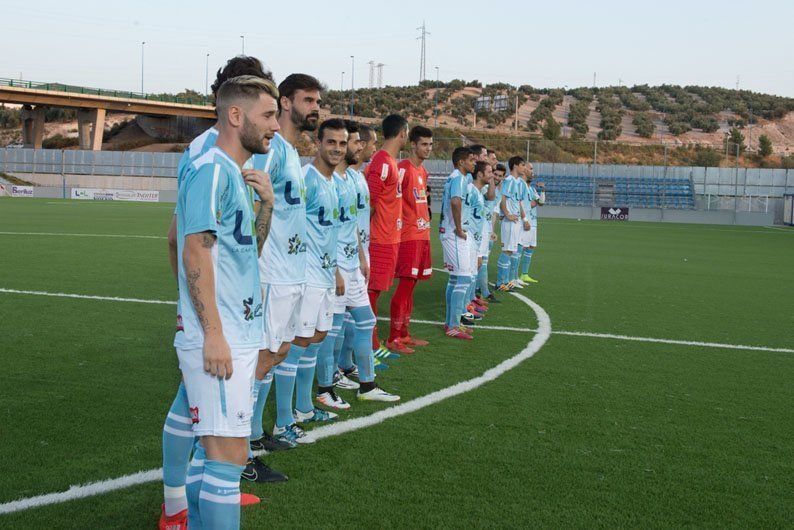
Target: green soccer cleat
{"x": 526, "y": 278}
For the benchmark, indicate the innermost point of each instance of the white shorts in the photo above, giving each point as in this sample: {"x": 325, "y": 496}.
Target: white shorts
{"x": 511, "y": 234}
{"x": 474, "y": 251}
{"x": 355, "y": 291}
{"x": 282, "y": 313}
{"x": 485, "y": 244}
{"x": 457, "y": 254}
{"x": 529, "y": 238}
{"x": 219, "y": 407}
{"x": 316, "y": 311}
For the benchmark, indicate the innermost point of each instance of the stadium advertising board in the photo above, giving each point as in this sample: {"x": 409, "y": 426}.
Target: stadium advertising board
{"x": 614, "y": 214}
{"x": 16, "y": 191}
{"x": 96, "y": 194}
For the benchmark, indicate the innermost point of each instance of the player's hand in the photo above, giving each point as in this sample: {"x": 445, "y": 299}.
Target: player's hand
{"x": 512, "y": 218}
{"x": 260, "y": 181}
{"x": 217, "y": 356}
{"x": 493, "y": 237}
{"x": 527, "y": 226}
{"x": 340, "y": 284}
{"x": 461, "y": 233}
{"x": 365, "y": 270}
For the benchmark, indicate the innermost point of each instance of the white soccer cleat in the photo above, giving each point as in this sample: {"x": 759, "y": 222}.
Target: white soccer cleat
{"x": 345, "y": 383}
{"x": 331, "y": 400}
{"x": 292, "y": 434}
{"x": 314, "y": 416}
{"x": 376, "y": 394}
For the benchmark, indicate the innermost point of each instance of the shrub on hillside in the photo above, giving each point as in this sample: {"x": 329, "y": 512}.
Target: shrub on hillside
{"x": 59, "y": 142}
{"x": 706, "y": 157}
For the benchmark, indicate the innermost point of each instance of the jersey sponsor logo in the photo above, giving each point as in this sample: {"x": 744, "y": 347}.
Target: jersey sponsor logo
{"x": 194, "y": 415}
{"x": 360, "y": 202}
{"x": 321, "y": 216}
{"x": 420, "y": 196}
{"x": 296, "y": 245}
{"x": 363, "y": 235}
{"x": 249, "y": 313}
{"x": 327, "y": 262}
{"x": 422, "y": 224}
{"x": 288, "y": 194}
{"x": 400, "y": 183}
{"x": 384, "y": 171}
{"x": 342, "y": 216}
{"x": 350, "y": 250}
{"x": 421, "y": 180}
{"x": 238, "y": 230}
{"x": 399, "y": 224}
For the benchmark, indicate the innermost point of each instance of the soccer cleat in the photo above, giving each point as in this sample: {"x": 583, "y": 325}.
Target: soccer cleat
{"x": 466, "y": 329}
{"x": 480, "y": 304}
{"x": 474, "y": 312}
{"x": 471, "y": 316}
{"x": 350, "y": 373}
{"x": 380, "y": 365}
{"x": 247, "y": 499}
{"x": 178, "y": 521}
{"x": 292, "y": 434}
{"x": 526, "y": 278}
{"x": 493, "y": 299}
{"x": 466, "y": 321}
{"x": 456, "y": 333}
{"x": 256, "y": 471}
{"x": 383, "y": 353}
{"x": 398, "y": 346}
{"x": 268, "y": 443}
{"x": 316, "y": 415}
{"x": 505, "y": 288}
{"x": 331, "y": 400}
{"x": 343, "y": 382}
{"x": 519, "y": 284}
{"x": 413, "y": 341}
{"x": 376, "y": 394}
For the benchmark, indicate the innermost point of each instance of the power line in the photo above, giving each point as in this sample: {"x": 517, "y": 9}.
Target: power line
{"x": 422, "y": 57}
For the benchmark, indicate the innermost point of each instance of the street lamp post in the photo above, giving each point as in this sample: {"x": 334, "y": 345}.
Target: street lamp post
{"x": 207, "y": 76}
{"x": 352, "y": 83}
{"x": 342, "y": 83}
{"x": 142, "y": 44}
{"x": 242, "y": 38}
{"x": 435, "y": 111}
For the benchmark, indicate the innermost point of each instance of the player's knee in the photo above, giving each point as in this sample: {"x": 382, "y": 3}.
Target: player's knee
{"x": 224, "y": 449}
{"x": 318, "y": 337}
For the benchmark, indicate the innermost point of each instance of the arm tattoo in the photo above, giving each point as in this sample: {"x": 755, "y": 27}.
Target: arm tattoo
{"x": 263, "y": 218}
{"x": 207, "y": 239}
{"x": 193, "y": 276}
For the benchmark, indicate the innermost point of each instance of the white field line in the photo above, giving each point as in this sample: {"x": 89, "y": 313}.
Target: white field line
{"x": 59, "y": 234}
{"x": 594, "y": 335}
{"x": 342, "y": 427}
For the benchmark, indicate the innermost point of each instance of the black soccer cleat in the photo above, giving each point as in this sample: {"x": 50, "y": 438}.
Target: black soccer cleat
{"x": 467, "y": 321}
{"x": 493, "y": 299}
{"x": 269, "y": 444}
{"x": 256, "y": 471}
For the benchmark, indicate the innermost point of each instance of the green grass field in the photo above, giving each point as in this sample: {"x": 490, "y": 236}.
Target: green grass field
{"x": 591, "y": 431}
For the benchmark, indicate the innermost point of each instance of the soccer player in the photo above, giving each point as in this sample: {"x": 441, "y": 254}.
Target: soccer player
{"x": 473, "y": 226}
{"x": 490, "y": 201}
{"x": 219, "y": 236}
{"x": 413, "y": 258}
{"x": 482, "y": 189}
{"x": 385, "y": 189}
{"x": 455, "y": 241}
{"x": 178, "y": 439}
{"x": 283, "y": 265}
{"x": 529, "y": 239}
{"x": 512, "y": 223}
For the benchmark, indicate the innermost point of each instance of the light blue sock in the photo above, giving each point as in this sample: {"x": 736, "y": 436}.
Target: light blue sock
{"x": 514, "y": 264}
{"x": 527, "y": 260}
{"x": 305, "y": 379}
{"x": 362, "y": 344}
{"x": 285, "y": 385}
{"x": 451, "y": 283}
{"x": 482, "y": 278}
{"x": 325, "y": 356}
{"x": 502, "y": 269}
{"x": 195, "y": 474}
{"x": 219, "y": 499}
{"x": 471, "y": 289}
{"x": 458, "y": 300}
{"x": 261, "y": 390}
{"x": 178, "y": 442}
{"x": 349, "y": 330}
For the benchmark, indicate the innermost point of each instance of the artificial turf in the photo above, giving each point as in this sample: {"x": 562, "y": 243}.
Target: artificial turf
{"x": 589, "y": 432}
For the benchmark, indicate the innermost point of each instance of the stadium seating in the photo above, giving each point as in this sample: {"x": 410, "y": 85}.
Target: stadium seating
{"x": 675, "y": 193}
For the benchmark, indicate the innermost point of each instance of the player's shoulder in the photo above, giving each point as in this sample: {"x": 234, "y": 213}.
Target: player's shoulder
{"x": 202, "y": 143}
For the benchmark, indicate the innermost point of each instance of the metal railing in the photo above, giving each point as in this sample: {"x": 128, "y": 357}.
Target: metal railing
{"x": 73, "y": 89}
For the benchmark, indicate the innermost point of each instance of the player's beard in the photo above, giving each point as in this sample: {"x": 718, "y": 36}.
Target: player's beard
{"x": 306, "y": 123}
{"x": 252, "y": 139}
{"x": 351, "y": 159}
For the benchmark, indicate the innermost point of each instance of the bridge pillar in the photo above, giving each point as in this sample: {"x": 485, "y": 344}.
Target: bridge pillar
{"x": 33, "y": 126}
{"x": 91, "y": 128}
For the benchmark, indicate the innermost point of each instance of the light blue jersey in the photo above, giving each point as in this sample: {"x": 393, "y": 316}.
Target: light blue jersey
{"x": 197, "y": 147}
{"x": 478, "y": 214}
{"x": 213, "y": 198}
{"x": 490, "y": 206}
{"x": 322, "y": 232}
{"x": 525, "y": 200}
{"x": 512, "y": 194}
{"x": 347, "y": 244}
{"x": 471, "y": 201}
{"x": 455, "y": 186}
{"x": 283, "y": 258}
{"x": 362, "y": 206}
{"x": 533, "y": 196}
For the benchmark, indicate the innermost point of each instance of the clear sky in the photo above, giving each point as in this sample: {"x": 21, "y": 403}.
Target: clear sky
{"x": 545, "y": 44}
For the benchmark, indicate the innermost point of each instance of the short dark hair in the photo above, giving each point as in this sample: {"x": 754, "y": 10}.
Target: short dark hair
{"x": 477, "y": 149}
{"x": 365, "y": 132}
{"x": 479, "y": 167}
{"x": 237, "y": 66}
{"x": 352, "y": 127}
{"x": 294, "y": 82}
{"x": 335, "y": 124}
{"x": 459, "y": 154}
{"x": 392, "y": 125}
{"x": 243, "y": 87}
{"x": 500, "y": 167}
{"x": 514, "y": 161}
{"x": 419, "y": 131}
{"x": 491, "y": 151}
